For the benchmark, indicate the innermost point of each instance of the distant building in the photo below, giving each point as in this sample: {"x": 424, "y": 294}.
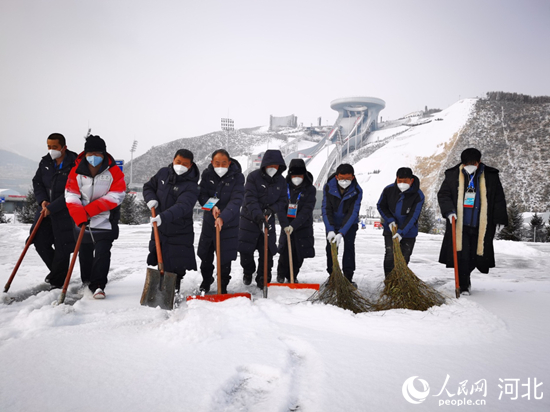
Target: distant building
{"x": 11, "y": 200}
{"x": 275, "y": 123}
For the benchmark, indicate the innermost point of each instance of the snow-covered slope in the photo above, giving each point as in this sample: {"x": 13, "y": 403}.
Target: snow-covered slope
{"x": 408, "y": 147}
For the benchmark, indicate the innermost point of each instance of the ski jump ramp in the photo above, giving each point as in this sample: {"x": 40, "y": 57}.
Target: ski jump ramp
{"x": 357, "y": 116}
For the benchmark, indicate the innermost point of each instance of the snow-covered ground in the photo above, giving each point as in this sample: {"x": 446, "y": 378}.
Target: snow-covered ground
{"x": 280, "y": 353}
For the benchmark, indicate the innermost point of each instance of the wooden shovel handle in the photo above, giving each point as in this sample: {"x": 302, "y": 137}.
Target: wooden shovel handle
{"x": 157, "y": 243}
{"x": 290, "y": 264}
{"x": 27, "y": 245}
{"x": 218, "y": 261}
{"x": 455, "y": 258}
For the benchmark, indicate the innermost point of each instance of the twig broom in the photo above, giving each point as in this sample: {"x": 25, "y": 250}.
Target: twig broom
{"x": 339, "y": 291}
{"x": 403, "y": 289}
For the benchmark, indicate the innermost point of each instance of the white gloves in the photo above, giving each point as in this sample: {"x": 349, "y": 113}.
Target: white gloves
{"x": 155, "y": 219}
{"x": 152, "y": 204}
{"x": 289, "y": 229}
{"x": 337, "y": 239}
{"x": 398, "y": 236}
{"x": 392, "y": 225}
{"x": 499, "y": 228}
{"x": 450, "y": 217}
{"x": 331, "y": 235}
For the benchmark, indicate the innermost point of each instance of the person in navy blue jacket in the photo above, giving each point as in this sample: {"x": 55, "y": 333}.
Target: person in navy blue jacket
{"x": 54, "y": 240}
{"x": 342, "y": 197}
{"x": 399, "y": 206}
{"x": 265, "y": 195}
{"x": 221, "y": 196}
{"x": 173, "y": 192}
{"x": 297, "y": 220}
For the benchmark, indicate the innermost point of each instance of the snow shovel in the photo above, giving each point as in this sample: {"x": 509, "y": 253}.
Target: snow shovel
{"x": 219, "y": 297}
{"x": 293, "y": 285}
{"x": 160, "y": 286}
{"x": 71, "y": 266}
{"x": 266, "y": 246}
{"x": 27, "y": 245}
{"x": 455, "y": 260}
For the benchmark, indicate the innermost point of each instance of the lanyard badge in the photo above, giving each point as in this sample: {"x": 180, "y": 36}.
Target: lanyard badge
{"x": 470, "y": 196}
{"x": 211, "y": 203}
{"x": 292, "y": 210}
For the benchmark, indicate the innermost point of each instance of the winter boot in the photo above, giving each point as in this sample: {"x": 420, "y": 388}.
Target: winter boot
{"x": 205, "y": 285}
{"x": 247, "y": 278}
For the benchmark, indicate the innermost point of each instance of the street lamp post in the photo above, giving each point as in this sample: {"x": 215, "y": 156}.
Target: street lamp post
{"x": 132, "y": 150}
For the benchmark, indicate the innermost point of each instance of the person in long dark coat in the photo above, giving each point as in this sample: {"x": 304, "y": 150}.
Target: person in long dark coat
{"x": 471, "y": 193}
{"x": 54, "y": 240}
{"x": 173, "y": 192}
{"x": 400, "y": 205}
{"x": 221, "y": 196}
{"x": 265, "y": 195}
{"x": 297, "y": 220}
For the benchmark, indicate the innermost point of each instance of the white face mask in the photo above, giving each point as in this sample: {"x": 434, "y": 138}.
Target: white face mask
{"x": 403, "y": 186}
{"x": 54, "y": 154}
{"x": 470, "y": 169}
{"x": 271, "y": 171}
{"x": 344, "y": 183}
{"x": 220, "y": 171}
{"x": 180, "y": 169}
{"x": 297, "y": 181}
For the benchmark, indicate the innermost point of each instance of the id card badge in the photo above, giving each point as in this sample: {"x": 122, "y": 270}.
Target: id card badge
{"x": 469, "y": 199}
{"x": 211, "y": 203}
{"x": 292, "y": 210}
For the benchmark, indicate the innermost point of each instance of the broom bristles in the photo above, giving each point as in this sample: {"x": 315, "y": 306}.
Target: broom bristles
{"x": 339, "y": 291}
{"x": 404, "y": 290}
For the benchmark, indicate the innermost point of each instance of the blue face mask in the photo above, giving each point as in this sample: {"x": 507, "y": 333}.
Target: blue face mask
{"x": 94, "y": 160}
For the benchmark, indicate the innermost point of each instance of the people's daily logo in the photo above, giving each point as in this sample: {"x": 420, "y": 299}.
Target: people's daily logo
{"x": 411, "y": 394}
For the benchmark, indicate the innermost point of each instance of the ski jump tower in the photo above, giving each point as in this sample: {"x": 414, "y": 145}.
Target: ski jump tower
{"x": 357, "y": 116}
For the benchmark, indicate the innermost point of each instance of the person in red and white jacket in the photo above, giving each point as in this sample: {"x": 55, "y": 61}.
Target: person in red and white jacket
{"x": 94, "y": 191}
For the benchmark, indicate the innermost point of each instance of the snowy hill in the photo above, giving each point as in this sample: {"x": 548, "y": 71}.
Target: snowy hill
{"x": 242, "y": 143}
{"x": 16, "y": 172}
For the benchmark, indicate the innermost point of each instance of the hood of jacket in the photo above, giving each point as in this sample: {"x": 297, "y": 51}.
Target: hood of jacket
{"x": 273, "y": 157}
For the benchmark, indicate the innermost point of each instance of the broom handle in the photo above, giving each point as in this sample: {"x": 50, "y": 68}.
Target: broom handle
{"x": 218, "y": 261}
{"x": 290, "y": 264}
{"x": 455, "y": 259}
{"x": 27, "y": 245}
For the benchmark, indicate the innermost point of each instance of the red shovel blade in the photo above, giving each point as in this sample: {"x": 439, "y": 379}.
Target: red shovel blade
{"x": 296, "y": 285}
{"x": 220, "y": 298}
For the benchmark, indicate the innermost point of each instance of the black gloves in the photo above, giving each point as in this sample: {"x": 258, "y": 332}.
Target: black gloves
{"x": 268, "y": 211}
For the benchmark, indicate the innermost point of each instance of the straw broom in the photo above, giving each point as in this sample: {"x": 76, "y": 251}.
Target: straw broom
{"x": 403, "y": 289}
{"x": 339, "y": 291}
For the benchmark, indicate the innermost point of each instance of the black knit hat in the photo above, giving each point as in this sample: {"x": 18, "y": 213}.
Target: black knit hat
{"x": 470, "y": 155}
{"x": 95, "y": 144}
{"x": 404, "y": 173}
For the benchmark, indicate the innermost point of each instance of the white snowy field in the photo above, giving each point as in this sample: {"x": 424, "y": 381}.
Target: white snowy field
{"x": 280, "y": 353}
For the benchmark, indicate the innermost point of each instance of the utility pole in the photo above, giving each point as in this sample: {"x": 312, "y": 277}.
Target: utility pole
{"x": 132, "y": 150}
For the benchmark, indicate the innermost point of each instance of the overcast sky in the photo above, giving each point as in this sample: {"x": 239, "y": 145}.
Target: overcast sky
{"x": 159, "y": 70}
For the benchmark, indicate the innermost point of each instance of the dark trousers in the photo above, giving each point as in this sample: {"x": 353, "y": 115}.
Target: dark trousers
{"x": 283, "y": 266}
{"x": 95, "y": 261}
{"x": 467, "y": 257}
{"x": 54, "y": 253}
{"x": 407, "y": 246}
{"x": 348, "y": 261}
{"x": 249, "y": 266}
{"x": 207, "y": 267}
